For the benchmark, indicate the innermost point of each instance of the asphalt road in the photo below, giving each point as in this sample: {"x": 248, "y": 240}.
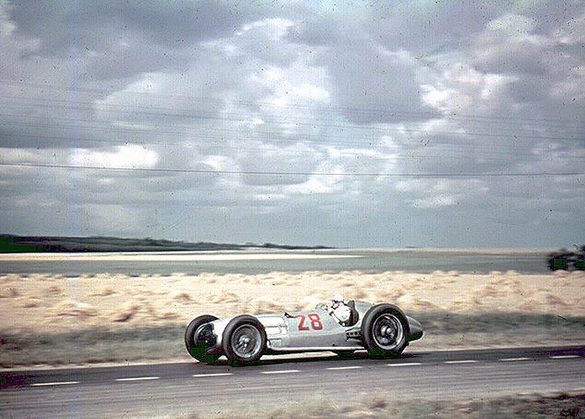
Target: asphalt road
{"x": 191, "y": 388}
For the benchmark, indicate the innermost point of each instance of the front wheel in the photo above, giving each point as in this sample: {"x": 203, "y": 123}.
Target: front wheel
{"x": 244, "y": 340}
{"x": 198, "y": 338}
{"x": 385, "y": 331}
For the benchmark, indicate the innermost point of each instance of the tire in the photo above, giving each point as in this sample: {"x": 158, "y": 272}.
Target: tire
{"x": 244, "y": 340}
{"x": 198, "y": 350}
{"x": 385, "y": 331}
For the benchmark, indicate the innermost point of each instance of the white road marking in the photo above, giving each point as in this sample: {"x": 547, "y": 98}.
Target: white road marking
{"x": 137, "y": 378}
{"x": 463, "y": 361}
{"x": 280, "y": 372}
{"x": 564, "y": 356}
{"x": 354, "y": 367}
{"x": 218, "y": 374}
{"x": 405, "y": 364}
{"x": 514, "y": 359}
{"x": 56, "y": 383}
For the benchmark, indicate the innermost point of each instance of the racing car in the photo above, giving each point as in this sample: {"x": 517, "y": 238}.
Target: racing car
{"x": 382, "y": 329}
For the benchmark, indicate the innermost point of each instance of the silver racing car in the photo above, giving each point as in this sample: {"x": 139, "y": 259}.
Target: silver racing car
{"x": 383, "y": 329}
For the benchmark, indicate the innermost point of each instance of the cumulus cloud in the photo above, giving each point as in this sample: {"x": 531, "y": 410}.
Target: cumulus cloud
{"x": 130, "y": 156}
{"x": 359, "y": 124}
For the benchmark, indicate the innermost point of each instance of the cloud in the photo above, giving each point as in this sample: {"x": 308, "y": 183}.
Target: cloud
{"x": 6, "y": 24}
{"x": 391, "y": 84}
{"x": 460, "y": 87}
{"x": 130, "y": 156}
{"x": 167, "y": 25}
{"x": 345, "y": 109}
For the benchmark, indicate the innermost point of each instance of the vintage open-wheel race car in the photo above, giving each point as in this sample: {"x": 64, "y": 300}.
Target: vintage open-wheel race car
{"x": 382, "y": 329}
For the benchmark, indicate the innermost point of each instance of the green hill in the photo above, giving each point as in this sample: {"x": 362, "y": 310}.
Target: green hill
{"x": 10, "y": 243}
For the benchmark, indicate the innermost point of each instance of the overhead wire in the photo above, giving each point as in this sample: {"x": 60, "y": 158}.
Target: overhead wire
{"x": 309, "y": 124}
{"x": 214, "y": 132}
{"x": 296, "y": 173}
{"x": 406, "y": 152}
{"x": 163, "y": 111}
{"x": 335, "y": 109}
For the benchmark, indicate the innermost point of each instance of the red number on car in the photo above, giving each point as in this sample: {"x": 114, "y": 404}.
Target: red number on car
{"x": 315, "y": 322}
{"x": 302, "y": 322}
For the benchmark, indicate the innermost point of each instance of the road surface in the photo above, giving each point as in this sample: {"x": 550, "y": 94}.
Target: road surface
{"x": 192, "y": 388}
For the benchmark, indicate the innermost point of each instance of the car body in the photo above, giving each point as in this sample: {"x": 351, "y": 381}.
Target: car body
{"x": 382, "y": 329}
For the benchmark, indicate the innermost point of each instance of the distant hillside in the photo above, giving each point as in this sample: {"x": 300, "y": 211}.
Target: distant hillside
{"x": 17, "y": 244}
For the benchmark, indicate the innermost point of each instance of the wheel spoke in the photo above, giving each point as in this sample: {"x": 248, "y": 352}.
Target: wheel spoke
{"x": 387, "y": 331}
{"x": 246, "y": 341}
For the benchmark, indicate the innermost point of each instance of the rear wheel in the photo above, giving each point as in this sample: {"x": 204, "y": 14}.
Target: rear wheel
{"x": 244, "y": 340}
{"x": 385, "y": 331}
{"x": 199, "y": 338}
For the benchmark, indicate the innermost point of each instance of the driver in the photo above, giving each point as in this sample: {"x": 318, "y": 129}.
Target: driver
{"x": 339, "y": 310}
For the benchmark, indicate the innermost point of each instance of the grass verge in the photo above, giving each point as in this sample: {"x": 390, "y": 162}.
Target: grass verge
{"x": 533, "y": 406}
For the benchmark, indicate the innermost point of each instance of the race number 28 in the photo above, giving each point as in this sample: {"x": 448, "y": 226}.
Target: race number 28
{"x": 313, "y": 322}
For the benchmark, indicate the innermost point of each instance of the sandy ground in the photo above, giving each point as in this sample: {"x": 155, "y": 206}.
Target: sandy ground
{"x": 53, "y": 303}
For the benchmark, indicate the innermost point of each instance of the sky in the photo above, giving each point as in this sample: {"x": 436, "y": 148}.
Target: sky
{"x": 350, "y": 124}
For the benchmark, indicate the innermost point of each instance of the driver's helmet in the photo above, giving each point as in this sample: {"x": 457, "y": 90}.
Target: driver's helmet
{"x": 337, "y": 299}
